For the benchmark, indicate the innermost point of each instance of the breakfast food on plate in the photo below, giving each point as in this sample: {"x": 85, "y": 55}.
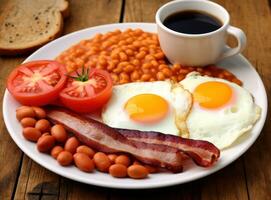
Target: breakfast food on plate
{"x": 152, "y": 148}
{"x": 131, "y": 56}
{"x": 157, "y": 106}
{"x": 221, "y": 112}
{"x": 25, "y": 26}
{"x": 153, "y": 115}
{"x": 37, "y": 83}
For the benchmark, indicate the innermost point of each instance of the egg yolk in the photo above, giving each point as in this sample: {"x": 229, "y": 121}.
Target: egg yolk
{"x": 212, "y": 94}
{"x": 146, "y": 108}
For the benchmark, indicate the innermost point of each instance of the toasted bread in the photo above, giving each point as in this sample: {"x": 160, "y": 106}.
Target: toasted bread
{"x": 26, "y": 25}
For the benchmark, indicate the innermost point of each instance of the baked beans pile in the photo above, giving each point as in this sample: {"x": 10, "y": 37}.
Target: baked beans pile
{"x": 68, "y": 150}
{"x": 131, "y": 56}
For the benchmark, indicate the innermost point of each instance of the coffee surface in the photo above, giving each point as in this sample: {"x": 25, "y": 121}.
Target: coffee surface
{"x": 192, "y": 22}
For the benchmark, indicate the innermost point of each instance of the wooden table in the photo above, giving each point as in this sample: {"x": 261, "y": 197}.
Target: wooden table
{"x": 247, "y": 178}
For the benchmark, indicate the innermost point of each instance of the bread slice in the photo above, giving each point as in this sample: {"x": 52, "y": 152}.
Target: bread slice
{"x": 26, "y": 25}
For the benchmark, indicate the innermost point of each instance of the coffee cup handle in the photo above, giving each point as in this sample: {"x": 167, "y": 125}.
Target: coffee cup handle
{"x": 241, "y": 39}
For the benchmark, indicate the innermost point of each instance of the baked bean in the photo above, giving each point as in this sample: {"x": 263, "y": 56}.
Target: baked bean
{"x": 123, "y": 159}
{"x": 31, "y": 134}
{"x": 129, "y": 52}
{"x": 86, "y": 150}
{"x": 71, "y": 144}
{"x": 59, "y": 133}
{"x": 123, "y": 81}
{"x": 154, "y": 63}
{"x": 146, "y": 65}
{"x": 166, "y": 71}
{"x": 160, "y": 76}
{"x": 129, "y": 68}
{"x": 145, "y": 77}
{"x": 123, "y": 56}
{"x": 65, "y": 158}
{"x": 135, "y": 62}
{"x": 25, "y": 112}
{"x": 117, "y": 70}
{"x": 114, "y": 55}
{"x": 153, "y": 71}
{"x": 141, "y": 55}
{"x": 45, "y": 143}
{"x": 40, "y": 113}
{"x": 135, "y": 76}
{"x": 149, "y": 57}
{"x": 28, "y": 122}
{"x": 137, "y": 171}
{"x": 101, "y": 161}
{"x": 102, "y": 61}
{"x": 43, "y": 125}
{"x": 159, "y": 55}
{"x": 112, "y": 157}
{"x": 118, "y": 170}
{"x": 137, "y": 44}
{"x": 56, "y": 151}
{"x": 124, "y": 76}
{"x": 115, "y": 78}
{"x": 83, "y": 162}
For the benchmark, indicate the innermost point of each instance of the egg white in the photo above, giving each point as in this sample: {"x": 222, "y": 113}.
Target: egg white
{"x": 179, "y": 101}
{"x": 224, "y": 125}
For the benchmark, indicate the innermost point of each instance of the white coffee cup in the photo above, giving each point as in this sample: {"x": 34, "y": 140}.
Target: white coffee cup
{"x": 197, "y": 49}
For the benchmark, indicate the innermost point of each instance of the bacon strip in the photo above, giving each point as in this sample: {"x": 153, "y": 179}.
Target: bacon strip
{"x": 203, "y": 153}
{"x": 106, "y": 139}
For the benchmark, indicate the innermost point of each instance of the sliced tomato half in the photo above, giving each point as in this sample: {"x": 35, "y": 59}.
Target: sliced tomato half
{"x": 37, "y": 83}
{"x": 87, "y": 90}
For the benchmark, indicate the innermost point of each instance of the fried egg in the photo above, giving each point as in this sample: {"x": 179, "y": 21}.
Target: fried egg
{"x": 221, "y": 112}
{"x": 149, "y": 106}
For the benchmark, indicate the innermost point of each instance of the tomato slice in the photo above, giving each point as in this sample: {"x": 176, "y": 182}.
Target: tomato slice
{"x": 37, "y": 83}
{"x": 87, "y": 91}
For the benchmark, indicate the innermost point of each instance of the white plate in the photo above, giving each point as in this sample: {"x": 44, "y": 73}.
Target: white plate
{"x": 237, "y": 64}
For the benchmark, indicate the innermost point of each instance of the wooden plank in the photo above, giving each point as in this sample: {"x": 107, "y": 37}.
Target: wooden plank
{"x": 10, "y": 154}
{"x": 35, "y": 182}
{"x": 228, "y": 183}
{"x": 90, "y": 13}
{"x": 141, "y": 11}
{"x": 71, "y": 190}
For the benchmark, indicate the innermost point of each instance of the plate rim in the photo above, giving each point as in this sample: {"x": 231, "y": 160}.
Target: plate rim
{"x": 121, "y": 185}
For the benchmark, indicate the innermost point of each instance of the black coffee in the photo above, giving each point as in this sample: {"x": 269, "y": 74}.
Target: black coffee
{"x": 192, "y": 22}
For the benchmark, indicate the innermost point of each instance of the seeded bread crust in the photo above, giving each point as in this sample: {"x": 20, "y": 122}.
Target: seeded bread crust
{"x": 25, "y": 25}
